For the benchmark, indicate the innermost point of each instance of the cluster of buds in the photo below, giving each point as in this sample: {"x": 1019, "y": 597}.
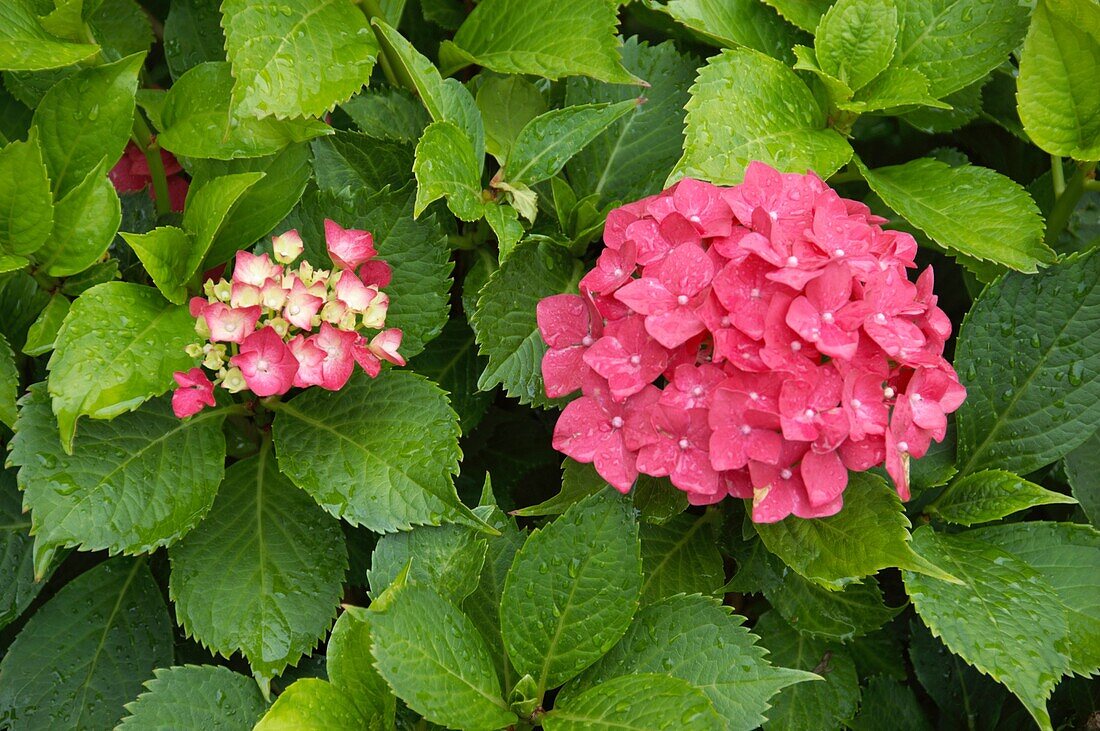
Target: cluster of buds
{"x": 273, "y": 326}
{"x": 756, "y": 341}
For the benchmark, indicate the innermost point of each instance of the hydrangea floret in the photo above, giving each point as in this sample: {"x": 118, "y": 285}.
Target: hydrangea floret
{"x": 273, "y": 326}
{"x": 756, "y": 341}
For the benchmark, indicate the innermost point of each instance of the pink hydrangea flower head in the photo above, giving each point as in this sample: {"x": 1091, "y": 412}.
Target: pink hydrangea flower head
{"x": 351, "y": 291}
{"x": 566, "y": 323}
{"x": 194, "y": 392}
{"x": 348, "y": 248}
{"x": 301, "y": 305}
{"x": 627, "y": 357}
{"x": 309, "y": 358}
{"x": 267, "y": 363}
{"x": 681, "y": 450}
{"x": 287, "y": 246}
{"x": 367, "y": 360}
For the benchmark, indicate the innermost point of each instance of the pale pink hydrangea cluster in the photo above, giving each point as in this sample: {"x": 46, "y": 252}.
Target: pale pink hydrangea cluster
{"x": 757, "y": 341}
{"x": 272, "y": 327}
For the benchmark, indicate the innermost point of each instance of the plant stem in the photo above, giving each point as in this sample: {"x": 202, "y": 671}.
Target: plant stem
{"x": 143, "y": 138}
{"x": 372, "y": 10}
{"x": 1067, "y": 201}
{"x": 1092, "y": 185}
{"x": 1057, "y": 175}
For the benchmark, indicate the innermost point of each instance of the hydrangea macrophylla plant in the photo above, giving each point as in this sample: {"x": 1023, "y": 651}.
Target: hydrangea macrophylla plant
{"x": 756, "y": 341}
{"x": 273, "y": 326}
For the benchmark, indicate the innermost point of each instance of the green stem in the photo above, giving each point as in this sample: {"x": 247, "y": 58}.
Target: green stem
{"x": 143, "y": 138}
{"x": 1057, "y": 175}
{"x": 1092, "y": 185}
{"x": 373, "y": 10}
{"x": 1067, "y": 201}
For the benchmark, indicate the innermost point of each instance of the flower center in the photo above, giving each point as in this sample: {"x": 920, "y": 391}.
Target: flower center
{"x": 697, "y": 391}
{"x": 694, "y": 218}
{"x": 755, "y": 293}
{"x": 838, "y": 252}
{"x": 635, "y": 359}
{"x": 618, "y": 271}
{"x": 261, "y": 365}
{"x": 746, "y": 429}
{"x": 796, "y": 346}
{"x": 684, "y": 443}
{"x": 856, "y": 403}
{"x": 586, "y": 340}
{"x": 888, "y": 392}
{"x": 754, "y": 395}
{"x": 294, "y": 309}
{"x": 915, "y": 397}
{"x": 230, "y": 327}
{"x": 725, "y": 322}
{"x": 827, "y": 317}
{"x": 792, "y": 261}
{"x": 682, "y": 300}
{"x": 785, "y": 473}
{"x": 880, "y": 318}
{"x": 617, "y": 422}
{"x": 808, "y": 413}
{"x": 903, "y": 446}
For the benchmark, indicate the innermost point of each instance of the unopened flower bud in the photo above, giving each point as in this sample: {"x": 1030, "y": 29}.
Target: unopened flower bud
{"x": 287, "y": 247}
{"x": 233, "y": 380}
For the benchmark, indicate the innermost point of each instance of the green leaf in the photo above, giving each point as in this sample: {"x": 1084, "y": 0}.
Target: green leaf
{"x": 311, "y": 704}
{"x": 387, "y": 114}
{"x": 9, "y": 384}
{"x": 85, "y": 223}
{"x": 840, "y": 615}
{"x": 208, "y": 206}
{"x": 1067, "y": 555}
{"x": 122, "y": 27}
{"x": 696, "y": 639}
{"x": 199, "y": 120}
{"x": 299, "y": 61}
{"x": 504, "y": 321}
{"x": 578, "y": 481}
{"x": 870, "y": 533}
{"x": 279, "y": 181}
{"x": 86, "y": 651}
{"x": 681, "y": 557}
{"x": 540, "y": 37}
{"x": 350, "y": 668}
{"x": 349, "y": 161}
{"x": 507, "y": 103}
{"x": 118, "y": 346}
{"x": 446, "y": 166}
{"x": 999, "y": 620}
{"x": 732, "y": 24}
{"x": 26, "y": 46}
{"x": 549, "y": 140}
{"x": 192, "y": 35}
{"x": 416, "y": 250}
{"x": 956, "y": 42}
{"x": 825, "y": 704}
{"x": 435, "y": 659}
{"x": 133, "y": 483}
{"x": 18, "y": 587}
{"x": 632, "y": 158}
{"x": 572, "y": 590}
{"x": 504, "y": 220}
{"x": 805, "y": 14}
{"x": 43, "y": 332}
{"x": 781, "y": 122}
{"x": 966, "y": 105}
{"x": 21, "y": 299}
{"x": 195, "y": 696}
{"x": 885, "y": 698}
{"x": 168, "y": 254}
{"x": 86, "y": 118}
{"x": 981, "y": 497}
{"x": 894, "y": 91}
{"x": 275, "y": 594}
{"x": 967, "y": 209}
{"x": 447, "y": 558}
{"x": 1083, "y": 473}
{"x": 10, "y": 263}
{"x": 104, "y": 271}
{"x": 1059, "y": 74}
{"x": 855, "y": 40}
{"x": 380, "y": 452}
{"x": 451, "y": 360}
{"x": 26, "y": 207}
{"x": 643, "y": 701}
{"x": 1031, "y": 397}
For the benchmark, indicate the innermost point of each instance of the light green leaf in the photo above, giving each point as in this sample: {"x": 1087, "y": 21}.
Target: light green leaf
{"x": 819, "y": 704}
{"x": 387, "y": 114}
{"x": 435, "y": 659}
{"x": 507, "y": 103}
{"x": 884, "y": 698}
{"x": 43, "y": 332}
{"x": 981, "y": 497}
{"x": 893, "y": 91}
{"x": 1000, "y": 620}
{"x": 504, "y": 321}
{"x": 541, "y": 37}
{"x": 311, "y": 704}
{"x": 84, "y": 121}
{"x": 18, "y": 587}
{"x": 199, "y": 121}
{"x": 350, "y": 667}
{"x": 696, "y": 639}
{"x": 781, "y": 123}
{"x": 86, "y": 651}
{"x": 643, "y": 701}
{"x": 1068, "y": 557}
{"x": 99, "y": 273}
{"x": 504, "y": 220}
{"x": 380, "y": 452}
{"x": 26, "y": 207}
{"x": 299, "y": 61}
{"x": 9, "y": 384}
{"x": 274, "y": 595}
{"x": 167, "y": 253}
{"x": 681, "y": 557}
{"x": 956, "y": 42}
{"x": 208, "y": 697}
{"x": 26, "y": 46}
{"x": 839, "y": 615}
{"x": 1083, "y": 472}
{"x": 451, "y": 360}
{"x": 837, "y": 91}
{"x": 870, "y": 533}
{"x": 192, "y": 35}
{"x": 1031, "y": 391}
{"x": 805, "y": 14}
{"x": 1059, "y": 75}
{"x": 209, "y": 204}
{"x": 855, "y": 40}
{"x": 84, "y": 225}
{"x": 632, "y": 158}
{"x": 549, "y": 140}
{"x": 133, "y": 483}
{"x": 445, "y": 166}
{"x": 349, "y": 161}
{"x": 447, "y": 558}
{"x": 572, "y": 590}
{"x": 9, "y": 263}
{"x": 738, "y": 23}
{"x": 118, "y": 346}
{"x": 966, "y": 209}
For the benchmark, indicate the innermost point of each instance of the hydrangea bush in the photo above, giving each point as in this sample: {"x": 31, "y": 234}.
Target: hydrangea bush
{"x": 669, "y": 364}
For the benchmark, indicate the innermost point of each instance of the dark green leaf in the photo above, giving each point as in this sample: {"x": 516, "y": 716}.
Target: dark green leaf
{"x": 193, "y": 35}
{"x": 884, "y": 698}
{"x": 507, "y": 103}
{"x": 839, "y": 615}
{"x": 451, "y": 360}
{"x": 352, "y": 162}
{"x": 1083, "y": 471}
{"x": 681, "y": 557}
{"x": 43, "y": 333}
{"x": 17, "y": 585}
{"x": 206, "y": 697}
{"x": 387, "y": 114}
{"x": 85, "y": 223}
{"x": 447, "y": 558}
{"x": 981, "y": 497}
